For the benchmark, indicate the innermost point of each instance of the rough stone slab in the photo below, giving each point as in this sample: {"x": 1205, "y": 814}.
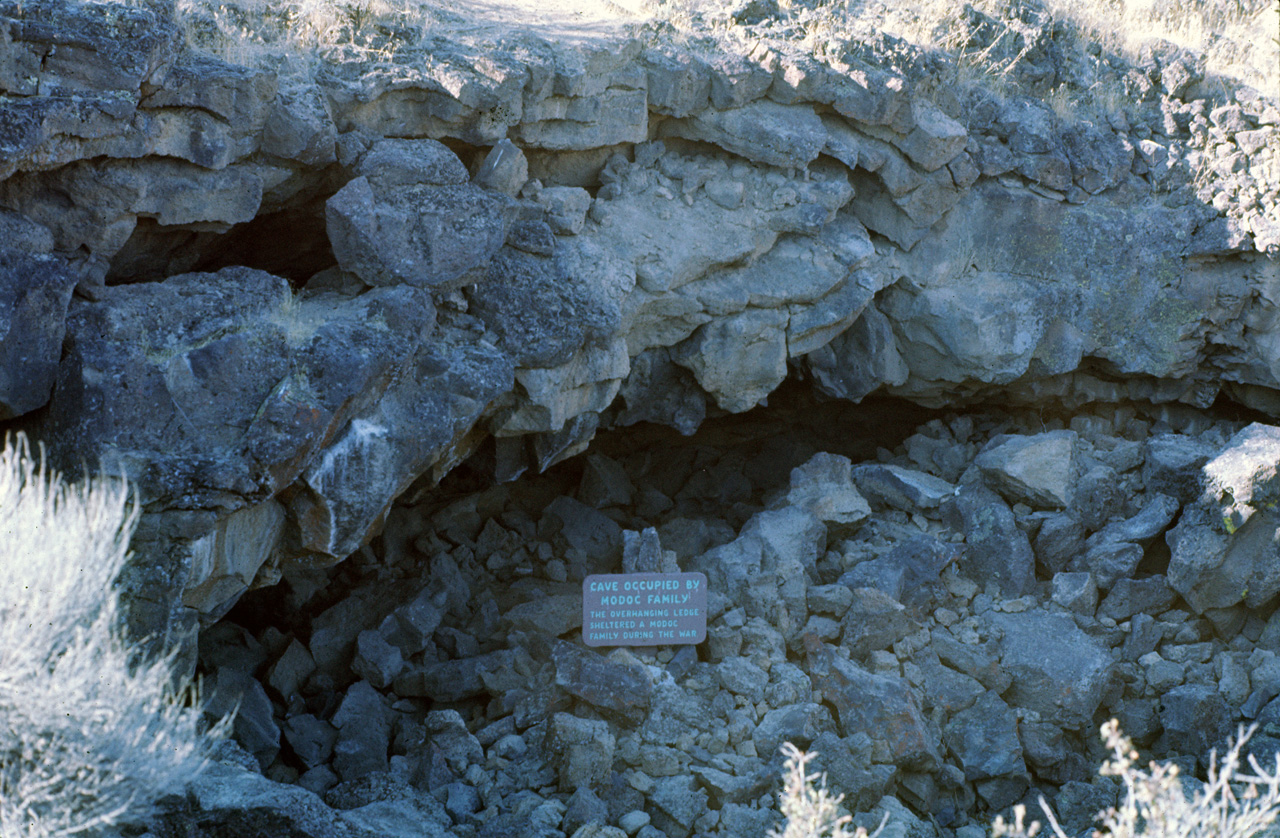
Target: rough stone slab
{"x": 875, "y": 621}
{"x": 824, "y": 486}
{"x": 798, "y": 724}
{"x": 1195, "y": 719}
{"x": 239, "y": 95}
{"x": 35, "y": 291}
{"x": 789, "y": 136}
{"x": 1172, "y": 464}
{"x": 390, "y": 163}
{"x": 1130, "y": 597}
{"x": 936, "y": 139}
{"x": 984, "y": 737}
{"x": 311, "y": 739}
{"x": 1150, "y": 522}
{"x": 1214, "y": 568}
{"x": 902, "y": 488}
{"x": 453, "y": 680}
{"x": 995, "y": 549}
{"x": 90, "y": 48}
{"x": 678, "y": 85}
{"x": 1057, "y": 669}
{"x": 879, "y": 212}
{"x": 1039, "y": 470}
{"x": 1246, "y": 473}
{"x": 567, "y": 123}
{"x": 255, "y": 804}
{"x": 298, "y": 126}
{"x": 740, "y": 359}
{"x": 291, "y": 670}
{"x": 881, "y": 706}
{"x": 860, "y": 360}
{"x": 869, "y": 95}
{"x": 619, "y": 691}
{"x": 582, "y": 748}
{"x": 422, "y": 235}
{"x": 553, "y": 615}
{"x": 1110, "y": 561}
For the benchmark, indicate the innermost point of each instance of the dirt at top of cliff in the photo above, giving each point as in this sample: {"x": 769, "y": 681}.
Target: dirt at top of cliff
{"x": 1077, "y": 50}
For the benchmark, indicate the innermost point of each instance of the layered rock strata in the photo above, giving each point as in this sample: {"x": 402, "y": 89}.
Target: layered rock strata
{"x": 655, "y": 232}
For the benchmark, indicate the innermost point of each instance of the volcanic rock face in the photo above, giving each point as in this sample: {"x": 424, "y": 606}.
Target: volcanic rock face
{"x": 285, "y": 295}
{"x": 446, "y": 664}
{"x": 799, "y": 215}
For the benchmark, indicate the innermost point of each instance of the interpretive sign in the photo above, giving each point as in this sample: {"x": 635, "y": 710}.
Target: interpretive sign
{"x": 644, "y": 609}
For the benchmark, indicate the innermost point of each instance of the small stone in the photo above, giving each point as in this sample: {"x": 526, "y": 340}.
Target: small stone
{"x": 984, "y": 738}
{"x": 291, "y": 670}
{"x": 1129, "y": 597}
{"x": 566, "y": 208}
{"x": 996, "y": 550}
{"x": 901, "y": 488}
{"x": 511, "y": 746}
{"x": 1172, "y": 464}
{"x": 318, "y": 780}
{"x": 875, "y": 621}
{"x": 1162, "y": 675}
{"x": 553, "y": 615}
{"x": 1060, "y": 539}
{"x": 1195, "y": 719}
{"x": 581, "y": 748}
{"x": 1057, "y": 669}
{"x": 799, "y": 724}
{"x": 462, "y": 801}
{"x": 677, "y": 798}
{"x": 824, "y": 628}
{"x": 311, "y": 739}
{"x": 633, "y": 821}
{"x": 583, "y": 807}
{"x": 596, "y": 830}
{"x": 824, "y": 486}
{"x": 504, "y": 169}
{"x": 1075, "y": 592}
{"x": 1038, "y": 469}
{"x": 376, "y": 661}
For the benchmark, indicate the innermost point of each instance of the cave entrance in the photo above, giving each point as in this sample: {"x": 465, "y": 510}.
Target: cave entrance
{"x": 898, "y": 641}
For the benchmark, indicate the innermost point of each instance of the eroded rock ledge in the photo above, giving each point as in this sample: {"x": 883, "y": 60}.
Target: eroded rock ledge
{"x": 525, "y": 241}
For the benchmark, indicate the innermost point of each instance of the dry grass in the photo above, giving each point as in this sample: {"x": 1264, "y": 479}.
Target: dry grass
{"x": 809, "y": 809}
{"x": 87, "y": 737}
{"x": 1155, "y": 802}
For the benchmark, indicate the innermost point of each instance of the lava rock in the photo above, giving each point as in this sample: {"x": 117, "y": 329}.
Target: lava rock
{"x": 364, "y": 732}
{"x": 1172, "y": 465}
{"x": 311, "y": 739}
{"x": 996, "y": 550}
{"x": 1057, "y": 669}
{"x": 881, "y": 706}
{"x": 619, "y": 691}
{"x": 35, "y": 292}
{"x": 1195, "y": 719}
{"x": 984, "y": 737}
{"x": 1039, "y": 470}
{"x": 581, "y": 748}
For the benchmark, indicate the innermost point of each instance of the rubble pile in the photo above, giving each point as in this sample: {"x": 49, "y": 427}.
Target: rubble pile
{"x": 946, "y": 623}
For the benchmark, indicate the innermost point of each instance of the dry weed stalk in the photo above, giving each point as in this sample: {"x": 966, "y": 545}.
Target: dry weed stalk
{"x": 1230, "y": 804}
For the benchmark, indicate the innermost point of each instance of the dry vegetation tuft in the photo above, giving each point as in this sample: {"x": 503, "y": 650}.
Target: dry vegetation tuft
{"x": 88, "y": 738}
{"x": 1156, "y": 801}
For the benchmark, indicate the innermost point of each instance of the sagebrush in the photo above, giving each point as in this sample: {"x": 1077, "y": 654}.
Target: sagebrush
{"x": 1155, "y": 802}
{"x": 86, "y": 739}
